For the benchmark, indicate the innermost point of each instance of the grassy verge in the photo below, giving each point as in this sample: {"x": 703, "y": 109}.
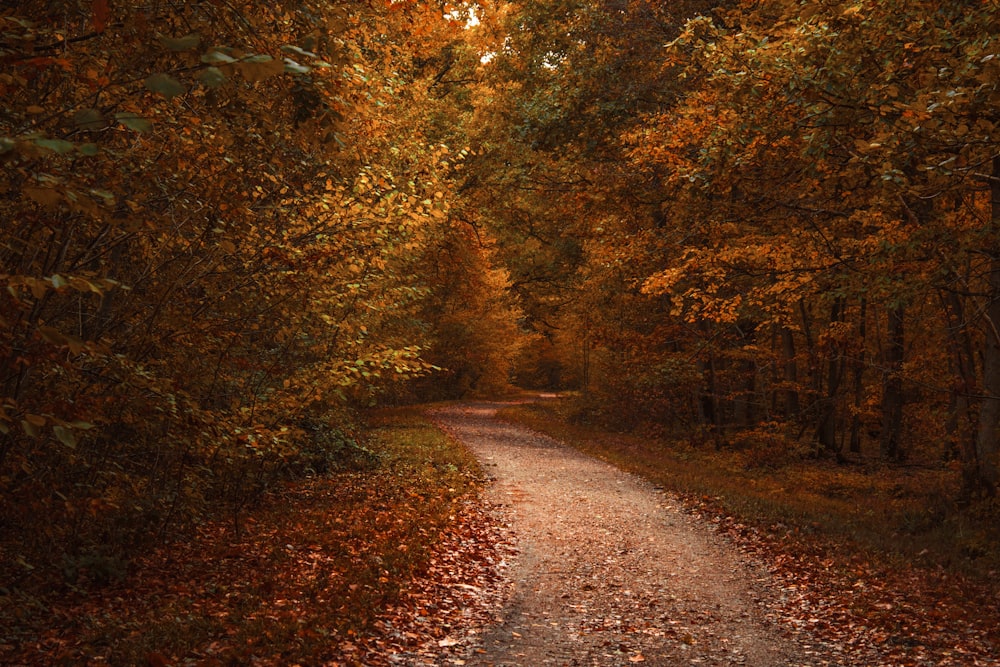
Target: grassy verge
{"x": 310, "y": 570}
{"x": 895, "y": 512}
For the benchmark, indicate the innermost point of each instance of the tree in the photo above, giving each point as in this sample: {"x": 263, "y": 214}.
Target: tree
{"x": 786, "y": 187}
{"x": 215, "y": 250}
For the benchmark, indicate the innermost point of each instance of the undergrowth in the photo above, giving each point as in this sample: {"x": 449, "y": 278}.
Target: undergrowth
{"x": 310, "y": 568}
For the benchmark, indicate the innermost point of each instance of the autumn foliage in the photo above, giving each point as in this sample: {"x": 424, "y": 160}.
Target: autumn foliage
{"x": 226, "y": 226}
{"x": 761, "y": 225}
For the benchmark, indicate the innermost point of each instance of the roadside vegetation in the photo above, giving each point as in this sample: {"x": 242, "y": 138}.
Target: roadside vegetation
{"x": 313, "y": 571}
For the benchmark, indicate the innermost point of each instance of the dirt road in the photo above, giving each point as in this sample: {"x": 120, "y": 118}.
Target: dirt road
{"x": 609, "y": 570}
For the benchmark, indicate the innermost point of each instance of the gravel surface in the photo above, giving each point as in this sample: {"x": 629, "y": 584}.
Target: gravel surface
{"x": 610, "y": 571}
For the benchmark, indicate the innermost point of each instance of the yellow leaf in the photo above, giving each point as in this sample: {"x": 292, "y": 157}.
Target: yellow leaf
{"x": 35, "y": 420}
{"x": 65, "y": 436}
{"x": 38, "y": 287}
{"x": 52, "y": 335}
{"x": 29, "y": 428}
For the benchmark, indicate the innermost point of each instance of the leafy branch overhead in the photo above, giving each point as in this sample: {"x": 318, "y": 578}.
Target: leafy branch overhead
{"x": 212, "y": 245}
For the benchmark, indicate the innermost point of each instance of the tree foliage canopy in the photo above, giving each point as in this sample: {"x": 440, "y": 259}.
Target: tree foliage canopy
{"x": 229, "y": 224}
{"x": 731, "y": 218}
{"x": 223, "y": 224}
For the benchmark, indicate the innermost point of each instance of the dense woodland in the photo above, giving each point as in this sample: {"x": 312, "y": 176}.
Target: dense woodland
{"x": 229, "y": 227}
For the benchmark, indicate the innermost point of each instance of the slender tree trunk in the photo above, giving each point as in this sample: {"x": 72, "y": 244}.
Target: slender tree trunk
{"x": 890, "y": 438}
{"x": 826, "y": 429}
{"x": 985, "y": 478}
{"x": 791, "y": 373}
{"x": 708, "y": 400}
{"x": 960, "y": 425}
{"x": 774, "y": 390}
{"x": 859, "y": 377}
{"x": 744, "y": 415}
{"x": 815, "y": 376}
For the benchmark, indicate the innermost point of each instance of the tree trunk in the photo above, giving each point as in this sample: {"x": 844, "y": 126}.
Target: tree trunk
{"x": 745, "y": 396}
{"x": 890, "y": 438}
{"x": 960, "y": 424}
{"x": 708, "y": 401}
{"x": 815, "y": 377}
{"x": 826, "y": 429}
{"x": 791, "y": 373}
{"x": 859, "y": 375}
{"x": 984, "y": 477}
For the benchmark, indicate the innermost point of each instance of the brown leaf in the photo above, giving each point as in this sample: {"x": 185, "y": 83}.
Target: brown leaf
{"x": 156, "y": 660}
{"x": 100, "y": 13}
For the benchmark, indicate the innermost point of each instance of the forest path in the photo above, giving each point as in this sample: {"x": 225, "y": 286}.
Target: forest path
{"x": 609, "y": 570}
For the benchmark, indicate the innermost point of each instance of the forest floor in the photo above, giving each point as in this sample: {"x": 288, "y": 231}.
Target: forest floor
{"x": 535, "y": 555}
{"x": 610, "y": 571}
{"x": 803, "y": 589}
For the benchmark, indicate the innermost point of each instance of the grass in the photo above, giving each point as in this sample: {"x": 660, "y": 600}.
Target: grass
{"x": 895, "y": 513}
{"x": 312, "y": 568}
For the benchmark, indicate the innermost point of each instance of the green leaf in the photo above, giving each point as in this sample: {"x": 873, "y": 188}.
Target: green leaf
{"x": 184, "y": 43}
{"x": 65, "y": 436}
{"x": 289, "y": 48}
{"x": 165, "y": 85}
{"x": 90, "y": 150}
{"x": 295, "y": 68}
{"x": 212, "y": 77}
{"x": 56, "y": 145}
{"x": 216, "y": 57}
{"x": 7, "y": 145}
{"x": 134, "y": 122}
{"x": 89, "y": 119}
{"x": 108, "y": 197}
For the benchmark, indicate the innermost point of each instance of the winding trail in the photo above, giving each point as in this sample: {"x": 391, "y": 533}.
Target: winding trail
{"x": 609, "y": 570}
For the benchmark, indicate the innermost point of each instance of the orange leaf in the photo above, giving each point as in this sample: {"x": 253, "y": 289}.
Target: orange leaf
{"x": 155, "y": 659}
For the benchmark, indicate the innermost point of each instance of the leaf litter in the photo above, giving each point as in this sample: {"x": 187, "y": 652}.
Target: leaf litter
{"x": 565, "y": 561}
{"x": 663, "y": 579}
